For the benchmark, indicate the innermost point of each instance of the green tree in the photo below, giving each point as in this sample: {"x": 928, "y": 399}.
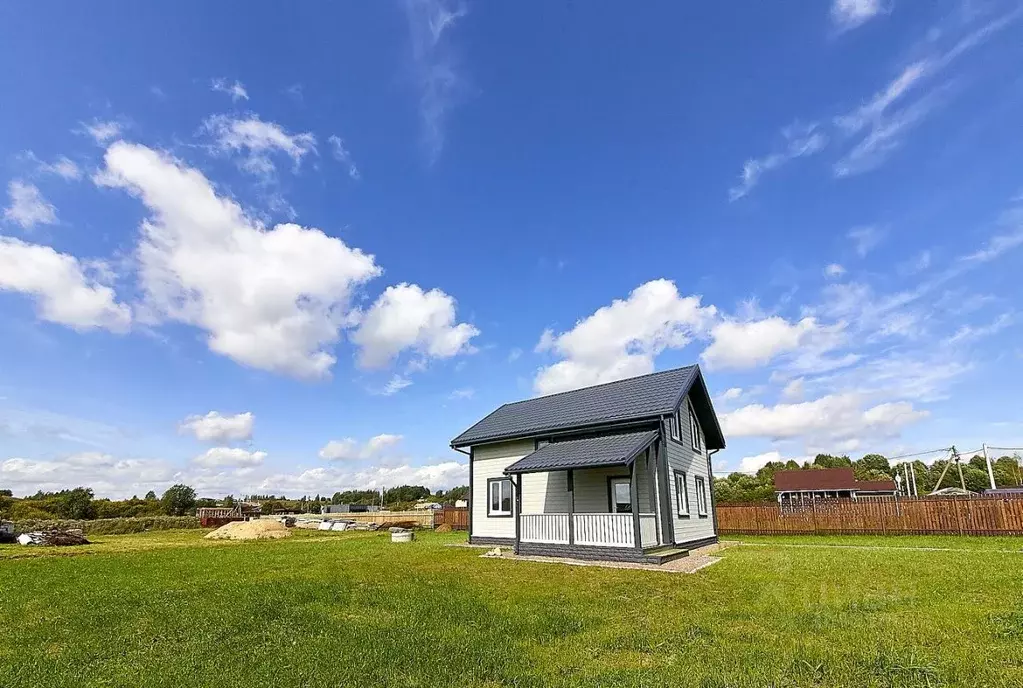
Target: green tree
{"x": 178, "y": 500}
{"x": 150, "y": 496}
{"x": 829, "y": 461}
{"x": 872, "y": 467}
{"x": 229, "y": 501}
{"x": 76, "y": 504}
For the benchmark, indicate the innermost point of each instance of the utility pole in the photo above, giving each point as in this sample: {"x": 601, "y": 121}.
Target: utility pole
{"x": 912, "y": 473}
{"x": 990, "y": 471}
{"x": 959, "y": 467}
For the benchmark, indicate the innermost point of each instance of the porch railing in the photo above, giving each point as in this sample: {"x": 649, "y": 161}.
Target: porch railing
{"x": 550, "y": 528}
{"x": 648, "y": 529}
{"x": 594, "y": 530}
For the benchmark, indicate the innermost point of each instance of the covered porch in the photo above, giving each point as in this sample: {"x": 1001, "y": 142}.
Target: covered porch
{"x": 595, "y": 497}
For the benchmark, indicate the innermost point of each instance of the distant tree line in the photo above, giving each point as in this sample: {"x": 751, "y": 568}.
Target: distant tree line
{"x": 744, "y": 488}
{"x": 81, "y": 503}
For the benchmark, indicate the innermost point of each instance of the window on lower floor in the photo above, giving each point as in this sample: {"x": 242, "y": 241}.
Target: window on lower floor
{"x": 500, "y": 502}
{"x": 701, "y": 496}
{"x": 681, "y": 494}
{"x": 621, "y": 495}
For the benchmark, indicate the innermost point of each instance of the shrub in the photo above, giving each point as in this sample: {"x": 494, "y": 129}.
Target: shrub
{"x": 112, "y": 526}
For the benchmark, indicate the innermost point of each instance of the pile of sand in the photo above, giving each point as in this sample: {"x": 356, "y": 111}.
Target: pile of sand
{"x": 250, "y": 530}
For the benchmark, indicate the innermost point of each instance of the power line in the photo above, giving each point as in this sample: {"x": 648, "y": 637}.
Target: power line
{"x": 1006, "y": 448}
{"x": 931, "y": 451}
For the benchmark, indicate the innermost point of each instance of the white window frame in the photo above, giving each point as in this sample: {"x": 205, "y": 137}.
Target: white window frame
{"x": 701, "y": 495}
{"x": 499, "y": 484}
{"x": 673, "y": 428}
{"x": 694, "y": 428}
{"x": 681, "y": 493}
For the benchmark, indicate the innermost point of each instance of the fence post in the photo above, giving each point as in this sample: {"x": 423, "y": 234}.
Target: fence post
{"x": 813, "y": 503}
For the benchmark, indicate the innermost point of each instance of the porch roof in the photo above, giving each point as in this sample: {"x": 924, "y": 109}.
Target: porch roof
{"x": 592, "y": 452}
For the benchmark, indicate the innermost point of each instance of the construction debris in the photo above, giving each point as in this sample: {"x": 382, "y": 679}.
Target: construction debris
{"x": 54, "y": 538}
{"x": 263, "y": 529}
{"x": 443, "y": 528}
{"x": 6, "y": 532}
{"x": 496, "y": 552}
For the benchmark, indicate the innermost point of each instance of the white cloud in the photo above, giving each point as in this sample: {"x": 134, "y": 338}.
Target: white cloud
{"x": 214, "y": 427}
{"x": 794, "y": 390}
{"x": 28, "y": 208}
{"x": 743, "y": 345}
{"x": 865, "y": 239}
{"x": 622, "y": 339}
{"x": 752, "y": 464}
{"x": 326, "y": 480}
{"x": 257, "y": 140}
{"x": 404, "y": 318}
{"x": 834, "y": 270}
{"x": 731, "y": 394}
{"x": 106, "y": 474}
{"x": 271, "y": 299}
{"x": 235, "y": 90}
{"x": 462, "y": 393}
{"x": 800, "y": 141}
{"x": 342, "y": 155}
{"x": 996, "y": 246}
{"x": 395, "y": 385}
{"x": 438, "y": 78}
{"x": 971, "y": 333}
{"x": 834, "y": 417}
{"x": 229, "y": 456}
{"x": 870, "y": 112}
{"x": 848, "y": 14}
{"x": 103, "y": 131}
{"x": 349, "y": 449}
{"x": 65, "y": 291}
{"x": 63, "y": 167}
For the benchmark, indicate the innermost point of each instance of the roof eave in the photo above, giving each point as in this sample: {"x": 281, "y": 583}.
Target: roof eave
{"x": 564, "y": 430}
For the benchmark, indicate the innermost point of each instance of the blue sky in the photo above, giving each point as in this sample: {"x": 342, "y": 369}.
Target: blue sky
{"x": 260, "y": 251}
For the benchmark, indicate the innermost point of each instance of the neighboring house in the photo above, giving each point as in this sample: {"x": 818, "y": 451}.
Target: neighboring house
{"x": 827, "y": 483}
{"x": 615, "y": 471}
{"x": 461, "y": 503}
{"x": 427, "y": 505}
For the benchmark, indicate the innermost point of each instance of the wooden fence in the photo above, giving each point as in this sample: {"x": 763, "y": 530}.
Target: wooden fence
{"x": 456, "y": 517}
{"x": 994, "y": 515}
{"x": 421, "y": 517}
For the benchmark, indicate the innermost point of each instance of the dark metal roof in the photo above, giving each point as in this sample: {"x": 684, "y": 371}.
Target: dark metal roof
{"x": 593, "y": 452}
{"x": 636, "y": 398}
{"x": 815, "y": 479}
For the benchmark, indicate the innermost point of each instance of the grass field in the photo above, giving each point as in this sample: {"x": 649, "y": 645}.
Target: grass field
{"x": 320, "y": 609}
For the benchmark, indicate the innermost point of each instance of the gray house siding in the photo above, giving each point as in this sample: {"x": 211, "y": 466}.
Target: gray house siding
{"x": 681, "y": 456}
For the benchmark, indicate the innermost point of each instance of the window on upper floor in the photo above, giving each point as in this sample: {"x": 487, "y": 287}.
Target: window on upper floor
{"x": 695, "y": 431}
{"x": 681, "y": 494}
{"x": 674, "y": 427}
{"x": 701, "y": 496}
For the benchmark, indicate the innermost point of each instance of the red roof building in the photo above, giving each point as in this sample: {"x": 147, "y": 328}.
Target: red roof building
{"x": 824, "y": 483}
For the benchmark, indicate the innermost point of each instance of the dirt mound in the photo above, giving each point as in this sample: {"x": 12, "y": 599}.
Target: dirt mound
{"x": 250, "y": 530}
{"x": 443, "y": 528}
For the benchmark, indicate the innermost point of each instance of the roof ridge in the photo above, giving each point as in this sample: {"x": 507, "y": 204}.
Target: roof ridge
{"x": 601, "y": 384}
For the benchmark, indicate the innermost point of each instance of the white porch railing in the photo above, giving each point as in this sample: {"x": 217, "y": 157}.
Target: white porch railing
{"x": 648, "y": 529}
{"x": 604, "y": 530}
{"x": 595, "y": 530}
{"x": 550, "y": 528}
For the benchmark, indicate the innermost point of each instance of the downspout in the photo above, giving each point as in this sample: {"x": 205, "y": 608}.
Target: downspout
{"x": 710, "y": 481}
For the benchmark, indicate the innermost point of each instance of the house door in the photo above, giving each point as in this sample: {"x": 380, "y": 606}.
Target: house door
{"x": 620, "y": 495}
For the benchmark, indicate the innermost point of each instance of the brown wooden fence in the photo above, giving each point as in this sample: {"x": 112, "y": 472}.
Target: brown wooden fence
{"x": 456, "y": 517}
{"x": 911, "y": 516}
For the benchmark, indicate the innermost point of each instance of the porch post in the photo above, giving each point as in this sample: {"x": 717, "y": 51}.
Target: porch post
{"x": 518, "y": 510}
{"x": 634, "y": 499}
{"x": 570, "y": 484}
{"x": 651, "y": 474}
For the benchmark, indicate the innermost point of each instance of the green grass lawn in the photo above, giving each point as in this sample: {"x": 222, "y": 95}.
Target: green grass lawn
{"x": 321, "y": 609}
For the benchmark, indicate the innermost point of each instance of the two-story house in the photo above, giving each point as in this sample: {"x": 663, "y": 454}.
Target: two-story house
{"x": 615, "y": 471}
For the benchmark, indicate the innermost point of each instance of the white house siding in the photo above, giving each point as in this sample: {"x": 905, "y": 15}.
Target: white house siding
{"x": 489, "y": 461}
{"x": 682, "y": 457}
